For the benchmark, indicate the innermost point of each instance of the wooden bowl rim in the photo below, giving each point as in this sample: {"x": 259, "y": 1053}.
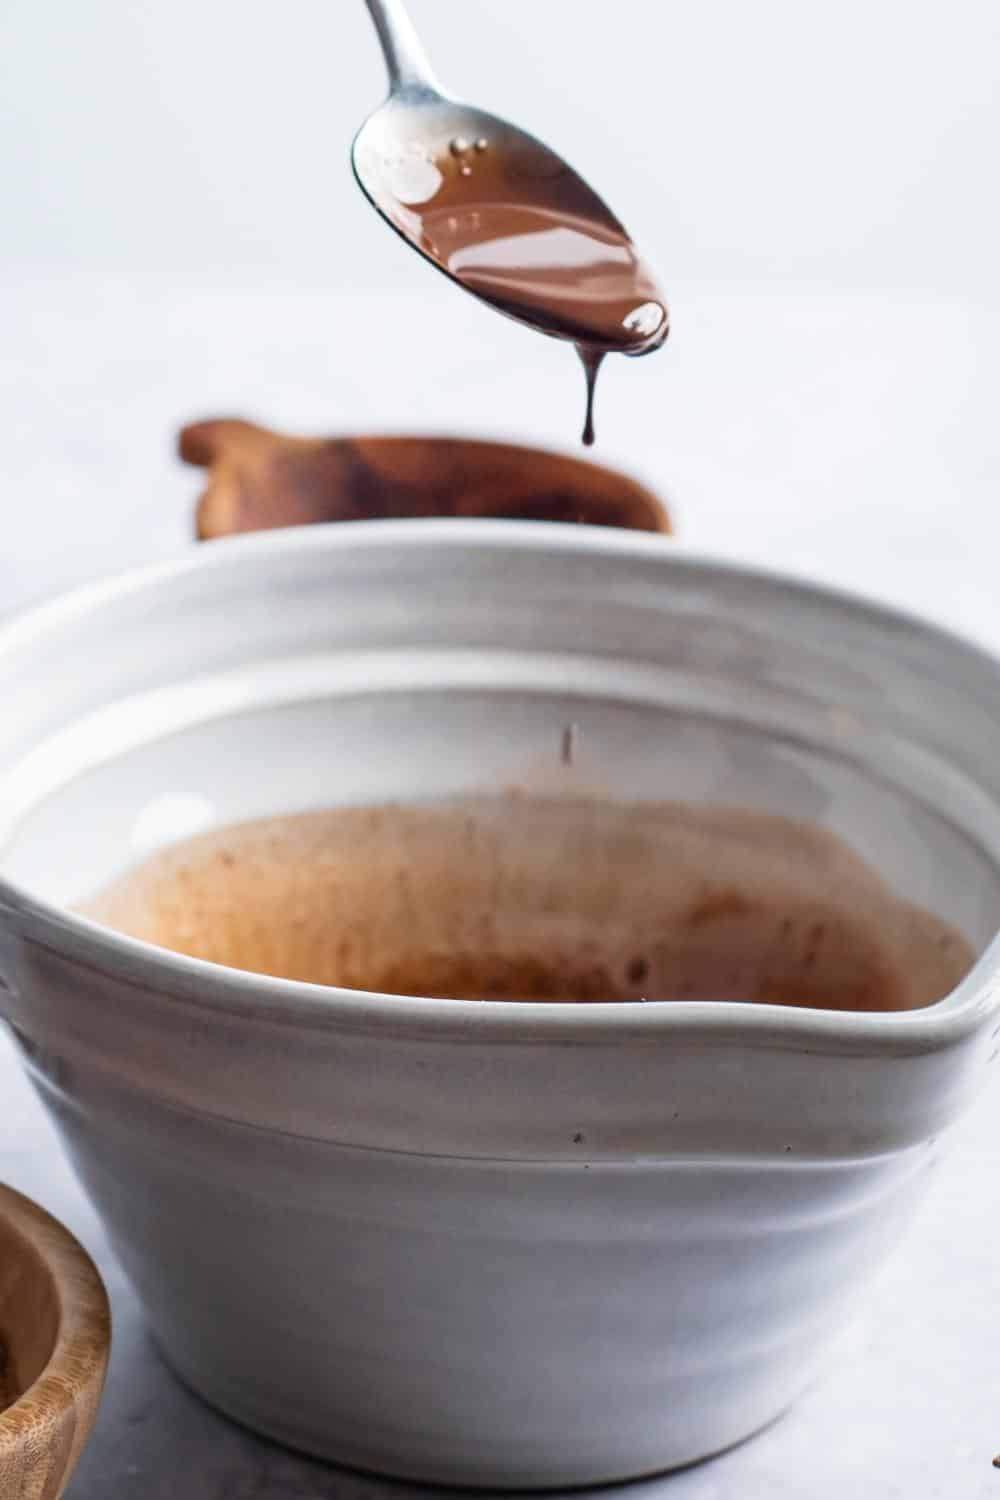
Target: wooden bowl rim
{"x": 395, "y": 437}
{"x": 79, "y": 1355}
{"x": 577, "y": 469}
{"x": 523, "y": 452}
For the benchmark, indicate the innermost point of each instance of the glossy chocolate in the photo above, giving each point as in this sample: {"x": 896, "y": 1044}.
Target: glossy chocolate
{"x": 505, "y": 217}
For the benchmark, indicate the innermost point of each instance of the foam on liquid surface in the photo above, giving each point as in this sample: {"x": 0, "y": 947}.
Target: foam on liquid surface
{"x": 521, "y": 898}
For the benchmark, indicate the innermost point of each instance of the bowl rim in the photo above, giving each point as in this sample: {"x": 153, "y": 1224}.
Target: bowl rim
{"x": 77, "y": 1363}
{"x": 207, "y": 986}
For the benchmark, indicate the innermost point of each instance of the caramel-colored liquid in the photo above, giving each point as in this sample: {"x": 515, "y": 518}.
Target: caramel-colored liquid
{"x": 521, "y": 899}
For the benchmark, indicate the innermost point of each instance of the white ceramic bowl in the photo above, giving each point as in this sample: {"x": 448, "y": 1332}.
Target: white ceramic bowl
{"x": 485, "y": 1243}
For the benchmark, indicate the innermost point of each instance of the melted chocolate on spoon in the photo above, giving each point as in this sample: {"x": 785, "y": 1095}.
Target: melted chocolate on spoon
{"x": 527, "y": 240}
{"x": 504, "y": 216}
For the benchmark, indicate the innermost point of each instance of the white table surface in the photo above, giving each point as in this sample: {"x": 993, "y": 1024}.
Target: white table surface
{"x": 848, "y": 435}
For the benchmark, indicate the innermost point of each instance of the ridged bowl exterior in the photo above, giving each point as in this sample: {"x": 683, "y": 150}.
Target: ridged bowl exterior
{"x": 490, "y": 1244}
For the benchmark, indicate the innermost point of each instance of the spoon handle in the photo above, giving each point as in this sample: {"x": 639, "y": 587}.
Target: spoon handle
{"x": 409, "y": 70}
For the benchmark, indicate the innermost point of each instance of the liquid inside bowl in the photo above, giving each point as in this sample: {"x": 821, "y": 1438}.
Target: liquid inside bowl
{"x": 509, "y": 868}
{"x": 523, "y": 898}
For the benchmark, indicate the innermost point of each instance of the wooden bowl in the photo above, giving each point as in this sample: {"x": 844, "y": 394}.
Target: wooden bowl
{"x": 55, "y": 1334}
{"x": 260, "y": 479}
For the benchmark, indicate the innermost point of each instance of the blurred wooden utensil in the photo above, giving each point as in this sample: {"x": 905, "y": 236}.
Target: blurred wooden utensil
{"x": 260, "y": 479}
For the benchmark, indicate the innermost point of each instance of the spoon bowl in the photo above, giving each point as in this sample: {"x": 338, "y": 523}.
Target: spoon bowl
{"x": 502, "y": 214}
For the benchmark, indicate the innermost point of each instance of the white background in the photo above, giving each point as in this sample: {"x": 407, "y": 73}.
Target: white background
{"x": 180, "y": 236}
{"x": 852, "y": 143}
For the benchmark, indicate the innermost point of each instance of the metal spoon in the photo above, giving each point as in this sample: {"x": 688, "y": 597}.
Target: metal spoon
{"x": 501, "y": 214}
